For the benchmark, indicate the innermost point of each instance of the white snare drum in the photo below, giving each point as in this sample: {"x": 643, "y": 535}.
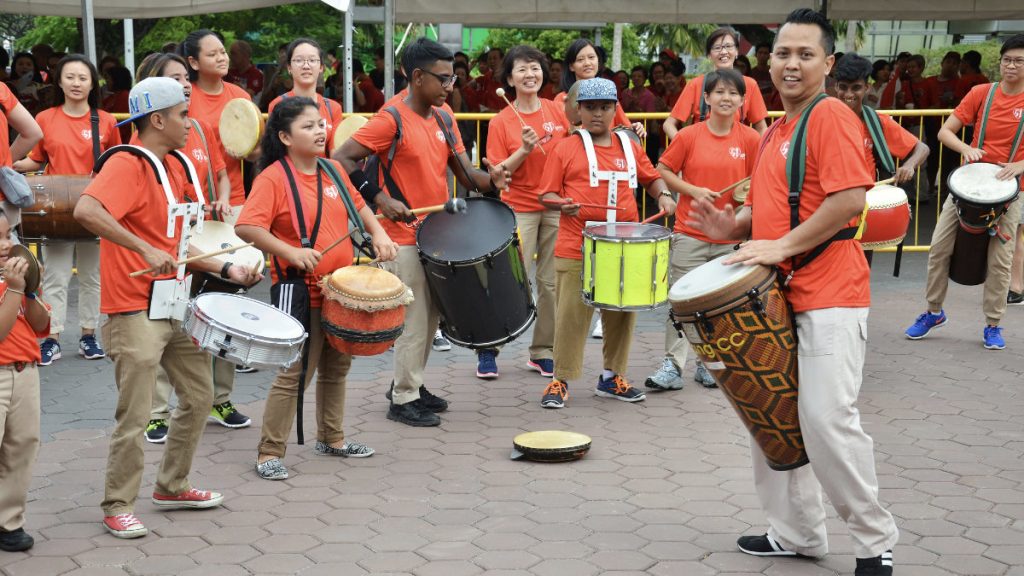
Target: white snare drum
{"x": 244, "y": 331}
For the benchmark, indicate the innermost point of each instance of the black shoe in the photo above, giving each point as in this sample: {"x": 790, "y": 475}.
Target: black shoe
{"x": 433, "y": 403}
{"x": 414, "y": 414}
{"x": 877, "y": 566}
{"x": 763, "y": 545}
{"x": 1014, "y": 298}
{"x": 15, "y": 540}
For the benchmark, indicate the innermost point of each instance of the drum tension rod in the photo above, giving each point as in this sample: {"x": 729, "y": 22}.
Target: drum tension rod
{"x": 703, "y": 322}
{"x": 675, "y": 323}
{"x": 755, "y": 301}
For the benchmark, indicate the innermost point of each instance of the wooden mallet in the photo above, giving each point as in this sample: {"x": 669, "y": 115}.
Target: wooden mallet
{"x": 501, "y": 92}
{"x": 453, "y": 206}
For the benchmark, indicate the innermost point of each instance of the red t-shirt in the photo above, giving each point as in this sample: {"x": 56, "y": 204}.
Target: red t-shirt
{"x": 374, "y": 97}
{"x": 269, "y": 207}
{"x": 567, "y": 173}
{"x": 620, "y": 115}
{"x": 1004, "y": 117}
{"x": 200, "y": 157}
{"x": 711, "y": 161}
{"x": 329, "y": 110}
{"x": 839, "y": 276}
{"x": 505, "y": 136}
{"x": 207, "y": 107}
{"x": 488, "y": 93}
{"x": 251, "y": 80}
{"x": 20, "y": 344}
{"x": 66, "y": 147}
{"x": 900, "y": 141}
{"x": 128, "y": 189}
{"x": 420, "y": 166}
{"x": 945, "y": 90}
{"x": 967, "y": 82}
{"x": 688, "y": 104}
{"x": 7, "y": 103}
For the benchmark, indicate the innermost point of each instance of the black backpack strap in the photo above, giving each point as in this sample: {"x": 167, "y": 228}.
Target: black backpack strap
{"x": 444, "y": 122}
{"x": 94, "y": 120}
{"x": 880, "y": 147}
{"x": 388, "y": 161}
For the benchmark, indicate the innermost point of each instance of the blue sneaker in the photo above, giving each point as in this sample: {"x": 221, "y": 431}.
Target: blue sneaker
{"x": 924, "y": 324}
{"x": 486, "y": 364}
{"x": 90, "y": 348}
{"x": 545, "y": 366}
{"x": 994, "y": 338}
{"x": 619, "y": 388}
{"x": 50, "y": 351}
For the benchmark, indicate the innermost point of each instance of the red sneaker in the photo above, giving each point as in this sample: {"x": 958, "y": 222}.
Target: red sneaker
{"x": 191, "y": 498}
{"x": 124, "y": 526}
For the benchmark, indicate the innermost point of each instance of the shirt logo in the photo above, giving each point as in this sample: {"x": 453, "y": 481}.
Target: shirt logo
{"x": 1017, "y": 112}
{"x": 620, "y": 163}
{"x": 87, "y": 134}
{"x": 784, "y": 149}
{"x": 868, "y": 144}
{"x": 549, "y": 127}
{"x": 331, "y": 192}
{"x": 737, "y": 153}
{"x": 440, "y": 135}
{"x": 199, "y": 155}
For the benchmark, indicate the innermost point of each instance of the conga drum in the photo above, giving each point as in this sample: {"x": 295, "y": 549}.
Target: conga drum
{"x": 240, "y": 128}
{"x": 737, "y": 321}
{"x": 52, "y": 215}
{"x": 346, "y": 129}
{"x": 980, "y": 200}
{"x": 625, "y": 265}
{"x": 363, "y": 310}
{"x": 887, "y": 218}
{"x": 218, "y": 236}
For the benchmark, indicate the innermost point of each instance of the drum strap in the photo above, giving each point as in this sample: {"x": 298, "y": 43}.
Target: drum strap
{"x": 308, "y": 240}
{"x": 880, "y": 148}
{"x": 190, "y": 173}
{"x": 611, "y": 176}
{"x": 209, "y": 163}
{"x": 984, "y": 124}
{"x": 94, "y": 121}
{"x": 444, "y": 122}
{"x": 353, "y": 213}
{"x": 158, "y": 167}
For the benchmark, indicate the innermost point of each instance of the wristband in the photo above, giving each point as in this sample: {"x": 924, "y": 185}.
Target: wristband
{"x": 367, "y": 189}
{"x": 225, "y": 269}
{"x": 31, "y": 295}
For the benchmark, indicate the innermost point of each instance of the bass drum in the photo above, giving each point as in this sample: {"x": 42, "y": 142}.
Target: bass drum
{"x": 52, "y": 216}
{"x": 475, "y": 270}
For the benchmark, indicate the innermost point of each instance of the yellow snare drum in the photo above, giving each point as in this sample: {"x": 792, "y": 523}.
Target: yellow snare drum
{"x": 625, "y": 265}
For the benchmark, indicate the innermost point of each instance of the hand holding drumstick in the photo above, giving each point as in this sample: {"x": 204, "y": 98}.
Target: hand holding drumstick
{"x": 530, "y": 138}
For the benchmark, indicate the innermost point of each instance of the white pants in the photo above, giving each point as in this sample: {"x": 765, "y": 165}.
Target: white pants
{"x": 58, "y": 260}
{"x": 832, "y": 344}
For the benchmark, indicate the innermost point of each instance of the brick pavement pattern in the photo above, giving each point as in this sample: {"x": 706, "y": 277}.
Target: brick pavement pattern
{"x": 665, "y": 490}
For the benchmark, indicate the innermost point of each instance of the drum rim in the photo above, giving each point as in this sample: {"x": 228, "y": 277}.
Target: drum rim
{"x": 514, "y": 237}
{"x": 201, "y": 314}
{"x": 515, "y": 334}
{"x": 622, "y": 240}
{"x": 726, "y": 305}
{"x": 959, "y": 196}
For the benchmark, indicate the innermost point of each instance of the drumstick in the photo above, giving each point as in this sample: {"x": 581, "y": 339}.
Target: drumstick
{"x": 886, "y": 181}
{"x": 731, "y": 186}
{"x": 565, "y": 201}
{"x": 501, "y": 92}
{"x": 191, "y": 259}
{"x": 454, "y": 206}
{"x": 655, "y": 217}
{"x": 338, "y": 241}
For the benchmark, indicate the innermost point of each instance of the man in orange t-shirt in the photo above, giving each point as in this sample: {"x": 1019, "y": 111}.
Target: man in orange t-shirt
{"x": 422, "y": 157}
{"x": 126, "y": 207}
{"x": 997, "y": 113}
{"x": 830, "y": 297}
{"x": 713, "y": 157}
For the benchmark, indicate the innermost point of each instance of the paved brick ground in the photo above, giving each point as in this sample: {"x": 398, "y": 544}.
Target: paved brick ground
{"x": 664, "y": 491}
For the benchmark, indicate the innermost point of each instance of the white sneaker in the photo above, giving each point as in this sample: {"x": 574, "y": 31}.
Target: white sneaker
{"x": 440, "y": 343}
{"x": 666, "y": 378}
{"x": 598, "y": 331}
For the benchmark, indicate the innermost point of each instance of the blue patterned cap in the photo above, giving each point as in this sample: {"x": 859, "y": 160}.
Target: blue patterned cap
{"x": 597, "y": 89}
{"x": 152, "y": 95}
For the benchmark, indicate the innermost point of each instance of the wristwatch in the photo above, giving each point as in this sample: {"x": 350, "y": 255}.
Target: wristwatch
{"x": 668, "y": 194}
{"x": 224, "y": 271}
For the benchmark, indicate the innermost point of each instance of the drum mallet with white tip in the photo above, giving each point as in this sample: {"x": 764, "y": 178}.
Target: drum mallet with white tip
{"x": 501, "y": 92}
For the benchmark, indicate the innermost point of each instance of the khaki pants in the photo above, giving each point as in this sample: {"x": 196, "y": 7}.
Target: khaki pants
{"x": 572, "y": 322}
{"x": 538, "y": 231}
{"x": 223, "y": 384}
{"x": 1000, "y": 258}
{"x": 832, "y": 344}
{"x": 687, "y": 254}
{"x": 58, "y": 260}
{"x": 19, "y": 441}
{"x": 331, "y": 367}
{"x": 412, "y": 349}
{"x": 138, "y": 345}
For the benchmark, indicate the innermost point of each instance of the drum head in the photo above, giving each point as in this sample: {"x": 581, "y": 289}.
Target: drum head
{"x": 711, "y": 277}
{"x": 627, "y": 230}
{"x": 240, "y": 127}
{"x": 885, "y": 196}
{"x": 550, "y": 446}
{"x": 346, "y": 129}
{"x": 366, "y": 282}
{"x": 218, "y": 236}
{"x": 977, "y": 183}
{"x": 487, "y": 226}
{"x": 248, "y": 316}
{"x": 32, "y": 274}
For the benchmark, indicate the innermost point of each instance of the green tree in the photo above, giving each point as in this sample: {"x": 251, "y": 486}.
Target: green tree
{"x": 555, "y": 42}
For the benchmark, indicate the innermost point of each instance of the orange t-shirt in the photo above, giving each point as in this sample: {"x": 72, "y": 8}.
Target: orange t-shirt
{"x": 20, "y": 344}
{"x": 66, "y": 147}
{"x": 1006, "y": 114}
{"x": 688, "y": 104}
{"x": 505, "y": 136}
{"x": 128, "y": 189}
{"x": 7, "y": 103}
{"x": 900, "y": 141}
{"x": 967, "y": 82}
{"x": 329, "y": 110}
{"x": 420, "y": 166}
{"x": 839, "y": 276}
{"x": 620, "y": 115}
{"x": 207, "y": 107}
{"x": 269, "y": 207}
{"x": 568, "y": 174}
{"x": 711, "y": 161}
{"x": 197, "y": 154}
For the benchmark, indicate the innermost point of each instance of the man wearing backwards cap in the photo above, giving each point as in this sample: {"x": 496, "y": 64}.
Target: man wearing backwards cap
{"x": 128, "y": 209}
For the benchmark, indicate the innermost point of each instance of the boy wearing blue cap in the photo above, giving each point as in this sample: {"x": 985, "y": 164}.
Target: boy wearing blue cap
{"x": 587, "y": 169}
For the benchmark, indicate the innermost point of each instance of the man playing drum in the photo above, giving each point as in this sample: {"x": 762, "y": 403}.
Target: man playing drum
{"x": 830, "y": 297}
{"x": 128, "y": 209}
{"x": 1003, "y": 106}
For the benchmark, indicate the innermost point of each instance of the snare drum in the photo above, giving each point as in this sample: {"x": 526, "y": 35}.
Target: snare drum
{"x": 474, "y": 267}
{"x": 625, "y": 265}
{"x": 52, "y": 216}
{"x": 737, "y": 320}
{"x": 887, "y": 219}
{"x": 363, "y": 310}
{"x": 244, "y": 331}
{"x": 980, "y": 200}
{"x": 218, "y": 236}
{"x": 240, "y": 128}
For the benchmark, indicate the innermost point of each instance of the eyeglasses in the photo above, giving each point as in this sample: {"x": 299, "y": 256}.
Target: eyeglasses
{"x": 723, "y": 48}
{"x": 303, "y": 61}
{"x": 446, "y": 81}
{"x": 1012, "y": 62}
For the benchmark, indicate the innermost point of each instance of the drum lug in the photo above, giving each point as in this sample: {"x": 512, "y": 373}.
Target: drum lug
{"x": 675, "y": 323}
{"x": 702, "y": 324}
{"x": 755, "y": 301}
